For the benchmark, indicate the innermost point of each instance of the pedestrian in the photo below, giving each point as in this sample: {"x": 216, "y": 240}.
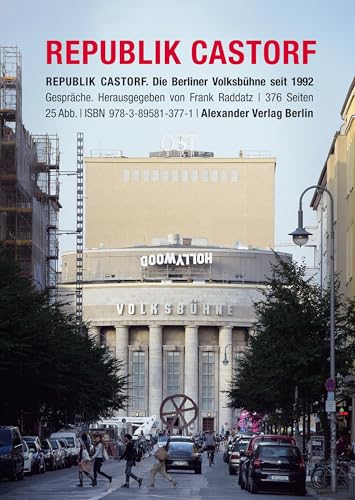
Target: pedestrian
{"x": 98, "y": 459}
{"x": 210, "y": 445}
{"x": 161, "y": 454}
{"x": 84, "y": 460}
{"x": 130, "y": 455}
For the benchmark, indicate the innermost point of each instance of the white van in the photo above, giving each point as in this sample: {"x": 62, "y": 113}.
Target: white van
{"x": 72, "y": 440}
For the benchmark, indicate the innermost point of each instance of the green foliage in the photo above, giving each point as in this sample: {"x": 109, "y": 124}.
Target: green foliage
{"x": 291, "y": 344}
{"x": 49, "y": 367}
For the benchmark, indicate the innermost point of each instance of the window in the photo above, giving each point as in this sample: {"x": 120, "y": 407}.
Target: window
{"x": 164, "y": 175}
{"x": 194, "y": 175}
{"x": 204, "y": 175}
{"x": 184, "y": 175}
{"x": 350, "y": 167}
{"x": 174, "y": 176}
{"x": 224, "y": 176}
{"x": 214, "y": 175}
{"x": 234, "y": 176}
{"x": 172, "y": 375}
{"x": 135, "y": 175}
{"x": 208, "y": 380}
{"x": 138, "y": 380}
{"x": 173, "y": 372}
{"x": 155, "y": 175}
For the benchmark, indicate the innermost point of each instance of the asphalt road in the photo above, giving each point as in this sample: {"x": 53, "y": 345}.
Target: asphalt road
{"x": 214, "y": 483}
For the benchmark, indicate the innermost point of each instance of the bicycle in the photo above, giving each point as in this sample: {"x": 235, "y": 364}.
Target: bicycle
{"x": 321, "y": 475}
{"x": 210, "y": 455}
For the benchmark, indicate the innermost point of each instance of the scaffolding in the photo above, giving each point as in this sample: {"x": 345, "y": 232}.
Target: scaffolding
{"x": 79, "y": 225}
{"x": 29, "y": 182}
{"x": 45, "y": 174}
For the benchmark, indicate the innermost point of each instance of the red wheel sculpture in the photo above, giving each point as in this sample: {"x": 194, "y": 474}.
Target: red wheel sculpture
{"x": 181, "y": 405}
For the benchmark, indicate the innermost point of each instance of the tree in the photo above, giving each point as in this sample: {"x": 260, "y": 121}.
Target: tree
{"x": 289, "y": 352}
{"x": 49, "y": 367}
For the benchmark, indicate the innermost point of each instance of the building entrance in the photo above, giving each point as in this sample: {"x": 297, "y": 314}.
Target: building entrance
{"x": 208, "y": 424}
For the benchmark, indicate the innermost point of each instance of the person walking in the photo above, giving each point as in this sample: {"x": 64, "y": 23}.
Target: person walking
{"x": 84, "y": 460}
{"x": 161, "y": 454}
{"x": 98, "y": 459}
{"x": 130, "y": 455}
{"x": 210, "y": 445}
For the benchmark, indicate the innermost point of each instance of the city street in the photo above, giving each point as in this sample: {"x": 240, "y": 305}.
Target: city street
{"x": 214, "y": 483}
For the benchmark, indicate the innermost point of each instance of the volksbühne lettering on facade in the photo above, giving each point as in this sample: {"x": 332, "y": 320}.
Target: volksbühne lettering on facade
{"x": 181, "y": 309}
{"x": 183, "y": 259}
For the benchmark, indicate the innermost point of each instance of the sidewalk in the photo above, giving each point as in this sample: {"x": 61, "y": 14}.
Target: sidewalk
{"x": 325, "y": 494}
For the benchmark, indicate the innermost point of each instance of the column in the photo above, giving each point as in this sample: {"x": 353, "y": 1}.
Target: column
{"x": 122, "y": 347}
{"x": 155, "y": 369}
{"x": 191, "y": 368}
{"x": 225, "y": 376}
{"x": 94, "y": 332}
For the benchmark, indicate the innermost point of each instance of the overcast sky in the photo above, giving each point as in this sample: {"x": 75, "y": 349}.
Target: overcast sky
{"x": 300, "y": 146}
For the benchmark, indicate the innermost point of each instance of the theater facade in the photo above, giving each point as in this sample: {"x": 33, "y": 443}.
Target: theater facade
{"x": 172, "y": 313}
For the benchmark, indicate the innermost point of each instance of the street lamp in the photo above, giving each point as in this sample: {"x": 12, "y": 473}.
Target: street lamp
{"x": 300, "y": 237}
{"x": 226, "y": 361}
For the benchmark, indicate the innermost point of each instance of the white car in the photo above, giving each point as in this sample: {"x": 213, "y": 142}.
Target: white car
{"x": 73, "y": 442}
{"x": 28, "y": 459}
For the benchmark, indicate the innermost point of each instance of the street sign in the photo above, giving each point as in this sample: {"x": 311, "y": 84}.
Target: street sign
{"x": 330, "y": 384}
{"x": 330, "y": 406}
{"x": 330, "y": 396}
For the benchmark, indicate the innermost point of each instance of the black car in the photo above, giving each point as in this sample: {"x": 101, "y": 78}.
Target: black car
{"x": 277, "y": 467}
{"x": 11, "y": 455}
{"x": 184, "y": 456}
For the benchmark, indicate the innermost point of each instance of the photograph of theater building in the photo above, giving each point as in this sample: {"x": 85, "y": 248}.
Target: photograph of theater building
{"x": 173, "y": 305}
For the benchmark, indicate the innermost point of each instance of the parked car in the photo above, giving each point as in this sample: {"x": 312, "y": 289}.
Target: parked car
{"x": 162, "y": 440}
{"x": 200, "y": 443}
{"x": 181, "y": 439}
{"x": 34, "y": 445}
{"x": 231, "y": 444}
{"x": 59, "y": 453}
{"x": 67, "y": 452}
{"x": 277, "y": 467}
{"x": 49, "y": 455}
{"x": 234, "y": 458}
{"x": 184, "y": 456}
{"x": 28, "y": 459}
{"x": 72, "y": 440}
{"x": 253, "y": 443}
{"x": 11, "y": 455}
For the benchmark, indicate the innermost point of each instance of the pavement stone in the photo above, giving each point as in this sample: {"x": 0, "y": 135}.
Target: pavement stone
{"x": 326, "y": 494}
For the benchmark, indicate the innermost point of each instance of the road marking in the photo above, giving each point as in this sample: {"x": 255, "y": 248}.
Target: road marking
{"x": 103, "y": 494}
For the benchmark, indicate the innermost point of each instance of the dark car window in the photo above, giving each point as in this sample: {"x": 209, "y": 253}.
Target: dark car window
{"x": 17, "y": 439}
{"x": 5, "y": 437}
{"x": 32, "y": 446}
{"x": 45, "y": 445}
{"x": 239, "y": 446}
{"x": 54, "y": 443}
{"x": 275, "y": 452}
{"x": 183, "y": 445}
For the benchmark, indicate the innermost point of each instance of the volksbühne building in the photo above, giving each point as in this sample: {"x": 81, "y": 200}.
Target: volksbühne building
{"x": 130, "y": 201}
{"x": 171, "y": 313}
